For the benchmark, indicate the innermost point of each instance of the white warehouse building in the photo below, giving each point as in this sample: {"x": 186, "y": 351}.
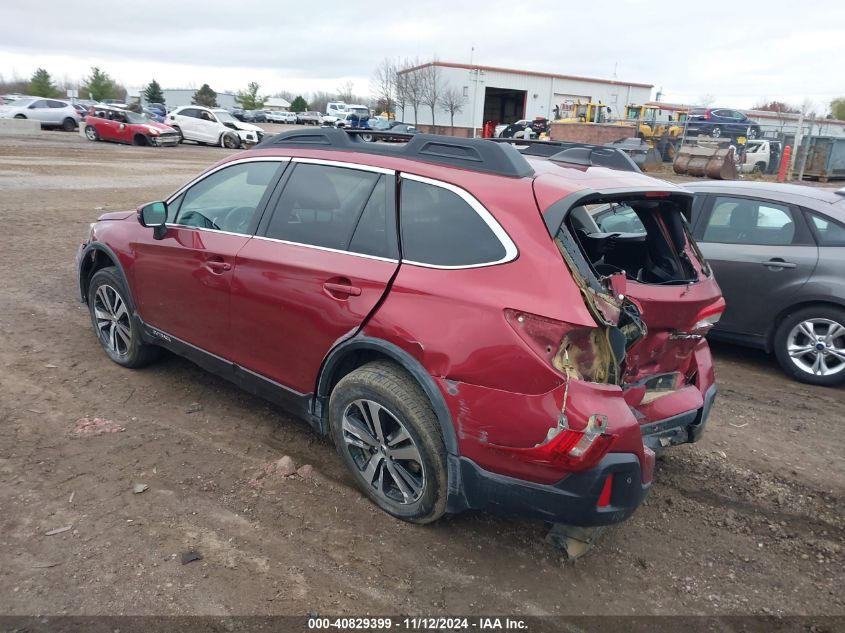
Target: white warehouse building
{"x": 504, "y": 95}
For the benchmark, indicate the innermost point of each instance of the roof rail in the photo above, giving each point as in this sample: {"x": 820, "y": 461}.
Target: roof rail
{"x": 574, "y": 153}
{"x": 467, "y": 153}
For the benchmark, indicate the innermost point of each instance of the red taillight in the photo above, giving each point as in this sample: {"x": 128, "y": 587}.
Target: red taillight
{"x": 568, "y": 449}
{"x": 708, "y": 316}
{"x": 657, "y": 194}
{"x": 604, "y": 497}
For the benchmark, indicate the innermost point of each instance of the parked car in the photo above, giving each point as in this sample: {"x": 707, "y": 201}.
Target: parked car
{"x": 383, "y": 125}
{"x": 522, "y": 123}
{"x": 255, "y": 116}
{"x": 238, "y": 113}
{"x": 534, "y": 128}
{"x": 778, "y": 253}
{"x": 309, "y": 118}
{"x": 153, "y": 115}
{"x": 279, "y": 116}
{"x": 48, "y": 112}
{"x": 214, "y": 126}
{"x": 108, "y": 123}
{"x": 158, "y": 108}
{"x": 718, "y": 122}
{"x": 761, "y": 157}
{"x": 501, "y": 359}
{"x": 353, "y": 121}
{"x": 81, "y": 110}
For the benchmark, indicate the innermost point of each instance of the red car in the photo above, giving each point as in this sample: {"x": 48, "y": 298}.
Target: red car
{"x": 106, "y": 123}
{"x": 446, "y": 310}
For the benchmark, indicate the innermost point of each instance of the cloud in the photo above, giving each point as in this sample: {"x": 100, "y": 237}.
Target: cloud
{"x": 739, "y": 54}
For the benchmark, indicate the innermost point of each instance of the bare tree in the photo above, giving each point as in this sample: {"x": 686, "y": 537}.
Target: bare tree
{"x": 706, "y": 100}
{"x": 431, "y": 86}
{"x": 452, "y": 101}
{"x": 413, "y": 86}
{"x": 383, "y": 84}
{"x": 345, "y": 91}
{"x": 401, "y": 81}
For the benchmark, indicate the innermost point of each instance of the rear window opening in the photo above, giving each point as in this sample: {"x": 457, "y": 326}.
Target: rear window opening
{"x": 643, "y": 237}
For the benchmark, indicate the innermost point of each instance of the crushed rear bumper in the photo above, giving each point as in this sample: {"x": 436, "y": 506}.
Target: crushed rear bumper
{"x": 679, "y": 429}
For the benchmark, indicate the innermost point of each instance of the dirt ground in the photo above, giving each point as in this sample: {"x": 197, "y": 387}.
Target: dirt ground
{"x": 748, "y": 521}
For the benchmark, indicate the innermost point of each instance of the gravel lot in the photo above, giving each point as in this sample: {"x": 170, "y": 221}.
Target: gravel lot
{"x": 748, "y": 521}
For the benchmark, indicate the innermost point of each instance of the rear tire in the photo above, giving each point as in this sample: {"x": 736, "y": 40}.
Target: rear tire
{"x": 716, "y": 131}
{"x": 388, "y": 436}
{"x": 810, "y": 345}
{"x": 69, "y": 125}
{"x": 117, "y": 326}
{"x": 20, "y": 116}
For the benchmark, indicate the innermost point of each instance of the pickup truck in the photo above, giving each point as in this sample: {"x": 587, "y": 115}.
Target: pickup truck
{"x": 761, "y": 157}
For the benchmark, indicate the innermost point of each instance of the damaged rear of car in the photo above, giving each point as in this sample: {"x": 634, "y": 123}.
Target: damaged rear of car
{"x": 654, "y": 295}
{"x": 621, "y": 326}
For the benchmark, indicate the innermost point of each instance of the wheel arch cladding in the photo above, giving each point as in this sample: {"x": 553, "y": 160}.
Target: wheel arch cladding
{"x": 96, "y": 257}
{"x": 358, "y": 351}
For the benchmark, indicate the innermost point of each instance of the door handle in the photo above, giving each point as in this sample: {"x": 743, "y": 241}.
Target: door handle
{"x": 776, "y": 262}
{"x": 218, "y": 267}
{"x": 342, "y": 290}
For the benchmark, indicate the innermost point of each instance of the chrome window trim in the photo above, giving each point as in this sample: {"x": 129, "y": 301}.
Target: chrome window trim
{"x": 339, "y": 163}
{"x": 326, "y": 248}
{"x": 511, "y": 252}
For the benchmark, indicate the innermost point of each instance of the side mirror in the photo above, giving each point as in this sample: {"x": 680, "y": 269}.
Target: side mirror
{"x": 154, "y": 215}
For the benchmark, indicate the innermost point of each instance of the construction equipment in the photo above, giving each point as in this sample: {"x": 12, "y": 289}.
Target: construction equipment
{"x": 658, "y": 124}
{"x": 703, "y": 160}
{"x": 584, "y": 113}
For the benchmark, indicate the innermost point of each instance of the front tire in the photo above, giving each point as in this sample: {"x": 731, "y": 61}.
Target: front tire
{"x": 68, "y": 125}
{"x": 388, "y": 436}
{"x": 117, "y": 327}
{"x": 230, "y": 141}
{"x": 91, "y": 133}
{"x": 810, "y": 345}
{"x": 716, "y": 132}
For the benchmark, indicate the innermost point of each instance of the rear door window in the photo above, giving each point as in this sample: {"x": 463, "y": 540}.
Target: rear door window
{"x": 745, "y": 221}
{"x": 322, "y": 205}
{"x": 828, "y": 232}
{"x": 441, "y": 228}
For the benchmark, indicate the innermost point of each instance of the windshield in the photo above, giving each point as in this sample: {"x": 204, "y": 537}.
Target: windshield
{"x": 340, "y": 107}
{"x": 224, "y": 117}
{"x": 360, "y": 111}
{"x": 134, "y": 117}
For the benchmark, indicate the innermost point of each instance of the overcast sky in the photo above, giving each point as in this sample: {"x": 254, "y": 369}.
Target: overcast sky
{"x": 738, "y": 52}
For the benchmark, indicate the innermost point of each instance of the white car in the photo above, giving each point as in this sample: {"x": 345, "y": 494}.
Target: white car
{"x": 49, "y": 112}
{"x": 758, "y": 155}
{"x": 214, "y": 126}
{"x": 278, "y": 116}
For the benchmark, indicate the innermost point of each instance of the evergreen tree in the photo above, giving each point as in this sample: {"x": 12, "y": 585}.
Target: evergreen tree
{"x": 100, "y": 86}
{"x": 153, "y": 93}
{"x": 299, "y": 105}
{"x": 41, "y": 85}
{"x": 205, "y": 96}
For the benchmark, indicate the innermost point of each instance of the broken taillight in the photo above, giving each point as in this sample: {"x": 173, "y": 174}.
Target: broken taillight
{"x": 708, "y": 317}
{"x": 575, "y": 351}
{"x": 567, "y": 448}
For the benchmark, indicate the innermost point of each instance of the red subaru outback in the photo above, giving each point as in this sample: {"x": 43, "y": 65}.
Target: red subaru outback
{"x": 447, "y": 310}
